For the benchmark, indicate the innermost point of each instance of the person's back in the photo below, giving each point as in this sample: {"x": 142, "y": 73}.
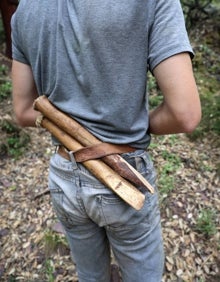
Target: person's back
{"x": 91, "y": 58}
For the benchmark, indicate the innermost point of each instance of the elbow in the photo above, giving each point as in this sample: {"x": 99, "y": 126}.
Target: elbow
{"x": 190, "y": 122}
{"x": 25, "y": 117}
{"x": 190, "y": 126}
{"x": 20, "y": 119}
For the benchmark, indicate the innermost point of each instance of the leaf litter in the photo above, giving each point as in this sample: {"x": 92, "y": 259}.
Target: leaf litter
{"x": 27, "y": 217}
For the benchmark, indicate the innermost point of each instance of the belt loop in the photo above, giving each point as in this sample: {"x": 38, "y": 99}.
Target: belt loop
{"x": 72, "y": 158}
{"x": 56, "y": 149}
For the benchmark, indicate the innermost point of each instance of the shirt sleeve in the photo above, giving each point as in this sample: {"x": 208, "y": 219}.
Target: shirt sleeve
{"x": 17, "y": 53}
{"x": 168, "y": 35}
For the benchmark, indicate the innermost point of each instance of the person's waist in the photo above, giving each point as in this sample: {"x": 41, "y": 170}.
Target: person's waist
{"x": 93, "y": 152}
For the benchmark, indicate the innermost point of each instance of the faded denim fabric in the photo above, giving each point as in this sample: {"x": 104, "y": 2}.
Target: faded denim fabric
{"x": 94, "y": 219}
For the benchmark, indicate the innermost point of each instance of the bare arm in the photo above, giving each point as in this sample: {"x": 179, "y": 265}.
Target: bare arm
{"x": 180, "y": 111}
{"x": 24, "y": 93}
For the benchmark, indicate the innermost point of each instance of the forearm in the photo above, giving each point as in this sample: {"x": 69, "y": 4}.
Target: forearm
{"x": 27, "y": 118}
{"x": 163, "y": 121}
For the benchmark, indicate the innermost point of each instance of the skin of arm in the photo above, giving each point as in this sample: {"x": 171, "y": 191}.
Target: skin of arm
{"x": 24, "y": 92}
{"x": 180, "y": 111}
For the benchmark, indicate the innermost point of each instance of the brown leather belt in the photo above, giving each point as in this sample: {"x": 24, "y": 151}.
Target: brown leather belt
{"x": 95, "y": 151}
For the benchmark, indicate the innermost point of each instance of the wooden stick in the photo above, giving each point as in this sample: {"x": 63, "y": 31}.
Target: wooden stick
{"x": 84, "y": 137}
{"x": 99, "y": 169}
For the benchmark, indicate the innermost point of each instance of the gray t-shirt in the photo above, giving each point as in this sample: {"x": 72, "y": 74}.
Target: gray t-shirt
{"x": 91, "y": 57}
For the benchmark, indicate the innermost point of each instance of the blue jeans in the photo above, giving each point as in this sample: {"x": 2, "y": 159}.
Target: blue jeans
{"x": 97, "y": 220}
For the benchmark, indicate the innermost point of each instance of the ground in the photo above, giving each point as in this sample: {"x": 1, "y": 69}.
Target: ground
{"x": 32, "y": 251}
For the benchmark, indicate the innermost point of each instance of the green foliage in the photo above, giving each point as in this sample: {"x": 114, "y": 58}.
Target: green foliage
{"x": 155, "y": 97}
{"x": 4, "y": 70}
{"x": 15, "y": 140}
{"x": 207, "y": 68}
{"x": 155, "y": 100}
{"x": 210, "y": 116}
{"x": 53, "y": 242}
{"x": 211, "y": 112}
{"x": 12, "y": 278}
{"x": 166, "y": 181}
{"x": 197, "y": 11}
{"x": 151, "y": 82}
{"x": 49, "y": 270}
{"x": 167, "y": 172}
{"x": 9, "y": 127}
{"x": 205, "y": 222}
{"x": 171, "y": 158}
{"x": 168, "y": 164}
{"x": 2, "y": 35}
{"x": 5, "y": 90}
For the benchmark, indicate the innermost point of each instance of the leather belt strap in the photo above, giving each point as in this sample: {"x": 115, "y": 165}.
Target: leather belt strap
{"x": 95, "y": 151}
